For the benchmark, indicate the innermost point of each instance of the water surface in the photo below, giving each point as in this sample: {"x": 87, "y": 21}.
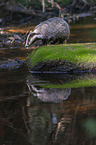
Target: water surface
{"x": 30, "y": 116}
{"x": 39, "y": 109}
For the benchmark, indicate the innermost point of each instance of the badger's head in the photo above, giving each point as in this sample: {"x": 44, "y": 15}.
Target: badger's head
{"x": 32, "y": 37}
{"x": 29, "y": 36}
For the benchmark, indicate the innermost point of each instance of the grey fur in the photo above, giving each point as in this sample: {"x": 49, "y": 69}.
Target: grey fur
{"x": 53, "y": 30}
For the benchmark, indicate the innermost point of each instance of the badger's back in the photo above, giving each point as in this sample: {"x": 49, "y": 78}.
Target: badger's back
{"x": 55, "y": 28}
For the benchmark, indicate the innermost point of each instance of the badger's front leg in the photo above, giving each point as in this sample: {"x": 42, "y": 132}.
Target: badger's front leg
{"x": 44, "y": 41}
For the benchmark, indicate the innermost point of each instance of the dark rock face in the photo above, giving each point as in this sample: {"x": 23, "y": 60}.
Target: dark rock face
{"x": 53, "y": 30}
{"x": 12, "y": 64}
{"x": 58, "y": 66}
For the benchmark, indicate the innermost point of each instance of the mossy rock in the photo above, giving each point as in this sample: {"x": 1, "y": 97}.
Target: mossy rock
{"x": 79, "y": 81}
{"x": 61, "y": 80}
{"x": 66, "y": 58}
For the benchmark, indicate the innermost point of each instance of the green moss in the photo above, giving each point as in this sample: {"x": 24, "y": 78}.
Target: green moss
{"x": 87, "y": 81}
{"x": 81, "y": 53}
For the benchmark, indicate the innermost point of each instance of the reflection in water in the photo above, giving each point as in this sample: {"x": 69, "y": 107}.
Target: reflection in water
{"x": 59, "y": 123}
{"x": 32, "y": 120}
{"x": 12, "y": 85}
{"x": 53, "y": 124}
{"x": 50, "y": 95}
{"x": 84, "y": 30}
{"x": 12, "y": 123}
{"x": 81, "y": 34}
{"x": 90, "y": 126}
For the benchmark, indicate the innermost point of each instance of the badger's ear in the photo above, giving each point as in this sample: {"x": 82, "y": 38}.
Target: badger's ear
{"x": 29, "y": 33}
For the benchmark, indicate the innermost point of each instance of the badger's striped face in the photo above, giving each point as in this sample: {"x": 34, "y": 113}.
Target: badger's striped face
{"x": 32, "y": 37}
{"x": 29, "y": 36}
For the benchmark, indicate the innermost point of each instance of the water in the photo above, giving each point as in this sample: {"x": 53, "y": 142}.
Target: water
{"x": 40, "y": 110}
{"x": 83, "y": 30}
{"x": 28, "y": 115}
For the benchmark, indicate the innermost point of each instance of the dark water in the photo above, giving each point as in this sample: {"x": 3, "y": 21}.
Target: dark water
{"x": 33, "y": 114}
{"x": 83, "y": 30}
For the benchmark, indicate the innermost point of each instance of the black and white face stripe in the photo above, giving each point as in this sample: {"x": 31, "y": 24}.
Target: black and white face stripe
{"x": 32, "y": 37}
{"x": 28, "y": 38}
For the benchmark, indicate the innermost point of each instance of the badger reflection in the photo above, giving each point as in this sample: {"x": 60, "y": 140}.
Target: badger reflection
{"x": 43, "y": 117}
{"x": 49, "y": 94}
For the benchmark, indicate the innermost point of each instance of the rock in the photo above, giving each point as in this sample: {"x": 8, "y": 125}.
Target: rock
{"x": 69, "y": 58}
{"x": 11, "y": 64}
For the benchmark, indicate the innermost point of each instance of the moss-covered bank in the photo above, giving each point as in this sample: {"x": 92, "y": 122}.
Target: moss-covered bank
{"x": 82, "y": 81}
{"x": 63, "y": 58}
{"x": 61, "y": 81}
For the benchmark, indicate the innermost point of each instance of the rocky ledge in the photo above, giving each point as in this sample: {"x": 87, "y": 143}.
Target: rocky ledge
{"x": 65, "y": 58}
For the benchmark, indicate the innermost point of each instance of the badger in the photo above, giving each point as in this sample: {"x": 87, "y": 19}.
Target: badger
{"x": 51, "y": 31}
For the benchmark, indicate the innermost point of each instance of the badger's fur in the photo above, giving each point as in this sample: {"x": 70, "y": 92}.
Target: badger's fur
{"x": 53, "y": 30}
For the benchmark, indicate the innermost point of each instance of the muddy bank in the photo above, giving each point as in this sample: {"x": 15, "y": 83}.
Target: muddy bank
{"x": 14, "y": 39}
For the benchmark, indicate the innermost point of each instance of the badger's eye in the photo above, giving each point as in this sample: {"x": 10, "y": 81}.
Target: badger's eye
{"x": 31, "y": 35}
